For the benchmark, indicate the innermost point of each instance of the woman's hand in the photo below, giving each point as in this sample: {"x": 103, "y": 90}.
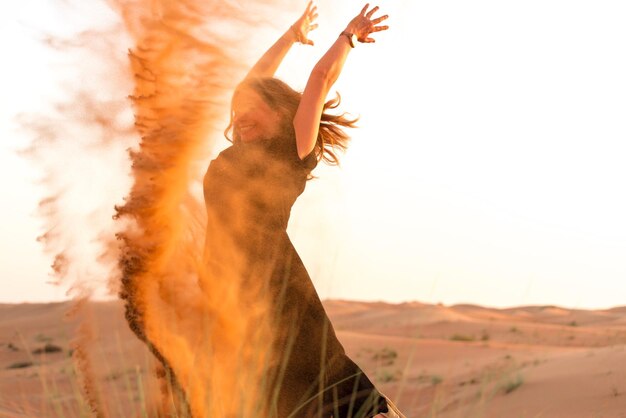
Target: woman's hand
{"x": 305, "y": 24}
{"x": 363, "y": 24}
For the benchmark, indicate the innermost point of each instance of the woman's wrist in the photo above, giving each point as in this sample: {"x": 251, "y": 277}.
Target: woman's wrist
{"x": 292, "y": 34}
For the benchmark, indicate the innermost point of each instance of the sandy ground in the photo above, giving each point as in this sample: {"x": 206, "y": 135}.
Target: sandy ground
{"x": 433, "y": 360}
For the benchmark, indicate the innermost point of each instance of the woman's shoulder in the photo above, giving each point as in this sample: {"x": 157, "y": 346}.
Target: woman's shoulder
{"x": 230, "y": 154}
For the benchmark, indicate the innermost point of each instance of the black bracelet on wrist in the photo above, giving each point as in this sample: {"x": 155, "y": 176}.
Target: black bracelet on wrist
{"x": 351, "y": 37}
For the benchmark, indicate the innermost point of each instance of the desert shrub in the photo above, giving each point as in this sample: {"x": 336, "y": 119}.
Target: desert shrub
{"x": 462, "y": 337}
{"x": 387, "y": 356}
{"x": 510, "y": 385}
{"x": 48, "y": 348}
{"x": 436, "y": 379}
{"x": 385, "y": 376}
{"x": 20, "y": 365}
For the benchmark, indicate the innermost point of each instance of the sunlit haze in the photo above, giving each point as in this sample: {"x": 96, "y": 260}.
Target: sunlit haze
{"x": 487, "y": 167}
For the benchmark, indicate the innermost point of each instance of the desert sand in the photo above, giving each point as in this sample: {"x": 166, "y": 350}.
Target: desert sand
{"x": 432, "y": 360}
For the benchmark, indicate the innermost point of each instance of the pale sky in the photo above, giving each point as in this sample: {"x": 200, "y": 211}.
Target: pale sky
{"x": 488, "y": 166}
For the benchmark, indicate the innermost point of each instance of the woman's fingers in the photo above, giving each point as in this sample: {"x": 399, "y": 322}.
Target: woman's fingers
{"x": 310, "y": 12}
{"x": 305, "y": 24}
{"x": 379, "y": 19}
{"x": 371, "y": 12}
{"x": 365, "y": 24}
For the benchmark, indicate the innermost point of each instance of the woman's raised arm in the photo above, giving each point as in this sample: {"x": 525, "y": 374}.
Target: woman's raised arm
{"x": 325, "y": 73}
{"x": 267, "y": 65}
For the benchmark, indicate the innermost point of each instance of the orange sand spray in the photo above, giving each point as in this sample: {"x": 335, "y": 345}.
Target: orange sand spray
{"x": 211, "y": 341}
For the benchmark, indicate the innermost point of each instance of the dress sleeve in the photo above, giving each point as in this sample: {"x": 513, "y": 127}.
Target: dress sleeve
{"x": 288, "y": 149}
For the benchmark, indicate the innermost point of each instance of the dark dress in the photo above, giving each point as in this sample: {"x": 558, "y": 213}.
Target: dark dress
{"x": 249, "y": 190}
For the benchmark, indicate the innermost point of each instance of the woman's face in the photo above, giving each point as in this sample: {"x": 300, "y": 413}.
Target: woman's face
{"x": 253, "y": 119}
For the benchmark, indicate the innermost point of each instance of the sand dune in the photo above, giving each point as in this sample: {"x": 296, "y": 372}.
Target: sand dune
{"x": 435, "y": 360}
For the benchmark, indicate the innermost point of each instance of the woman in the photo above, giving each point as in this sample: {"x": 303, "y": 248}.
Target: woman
{"x": 278, "y": 137}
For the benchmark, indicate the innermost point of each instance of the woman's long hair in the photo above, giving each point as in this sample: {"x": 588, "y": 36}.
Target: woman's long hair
{"x": 280, "y": 96}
